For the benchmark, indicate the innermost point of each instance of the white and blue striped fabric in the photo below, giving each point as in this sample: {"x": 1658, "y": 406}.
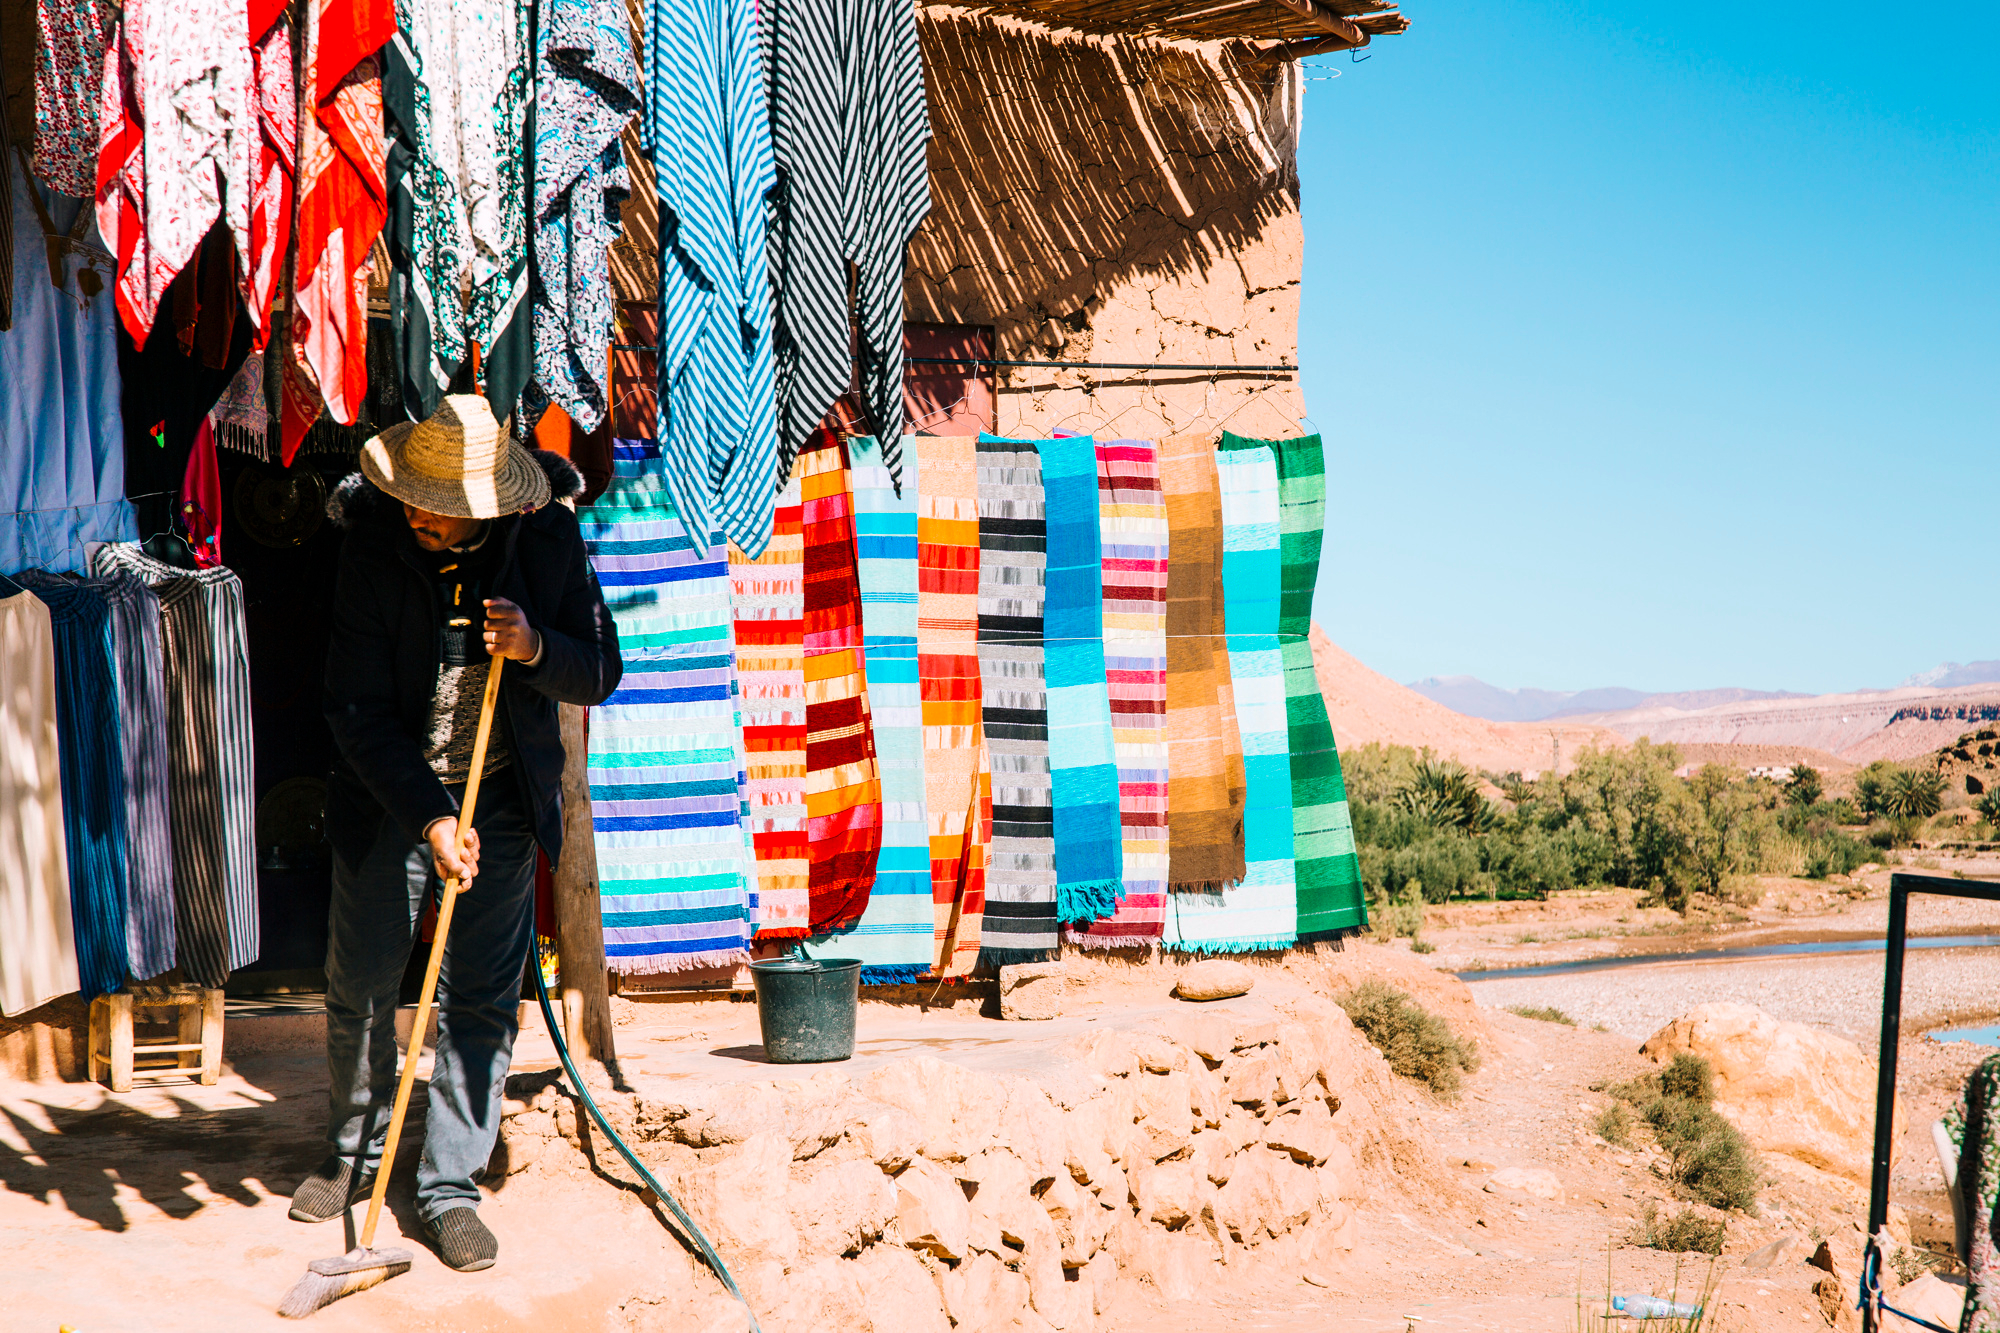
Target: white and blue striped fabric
{"x": 893, "y": 937}
{"x": 708, "y": 129}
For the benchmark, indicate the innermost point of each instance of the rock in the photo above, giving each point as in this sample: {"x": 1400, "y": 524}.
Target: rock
{"x": 1170, "y": 1194}
{"x": 1214, "y": 979}
{"x": 1531, "y": 1181}
{"x": 843, "y": 1208}
{"x": 744, "y": 1200}
{"x": 1164, "y": 1117}
{"x": 931, "y": 1211}
{"x": 1250, "y": 1199}
{"x": 889, "y": 1136}
{"x": 1306, "y": 1134}
{"x": 1791, "y": 1089}
{"x": 1767, "y": 1255}
{"x": 1940, "y": 1300}
{"x": 1836, "y": 1304}
{"x": 1158, "y": 1055}
{"x": 1252, "y": 1080}
{"x": 1212, "y": 1036}
{"x": 824, "y": 1294}
{"x": 902, "y": 1296}
{"x": 983, "y": 1296}
{"x": 1032, "y": 990}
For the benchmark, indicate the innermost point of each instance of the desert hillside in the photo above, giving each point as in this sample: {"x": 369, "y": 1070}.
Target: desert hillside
{"x": 1859, "y": 726}
{"x": 1366, "y": 706}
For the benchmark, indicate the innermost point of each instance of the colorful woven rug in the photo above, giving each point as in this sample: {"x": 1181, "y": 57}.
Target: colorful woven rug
{"x": 1331, "y": 900}
{"x": 957, "y": 781}
{"x": 1020, "y": 922}
{"x": 1133, "y": 522}
{"x": 768, "y": 596}
{"x": 1083, "y": 767}
{"x": 1204, "y": 756}
{"x": 665, "y": 762}
{"x": 843, "y": 783}
{"x": 893, "y": 937}
{"x": 1262, "y": 912}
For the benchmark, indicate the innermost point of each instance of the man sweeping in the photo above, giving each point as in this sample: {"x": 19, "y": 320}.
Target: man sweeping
{"x": 454, "y": 554}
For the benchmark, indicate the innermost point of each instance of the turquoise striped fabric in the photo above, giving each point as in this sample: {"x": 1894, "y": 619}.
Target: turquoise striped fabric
{"x": 1083, "y": 766}
{"x": 1261, "y": 912}
{"x": 666, "y": 757}
{"x": 709, "y": 133}
{"x": 893, "y": 937}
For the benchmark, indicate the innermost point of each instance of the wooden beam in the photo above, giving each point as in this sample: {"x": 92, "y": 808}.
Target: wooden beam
{"x": 1278, "y": 52}
{"x": 1313, "y": 12}
{"x": 583, "y": 998}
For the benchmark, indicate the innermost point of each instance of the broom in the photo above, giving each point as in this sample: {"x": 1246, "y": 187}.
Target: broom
{"x": 327, "y": 1280}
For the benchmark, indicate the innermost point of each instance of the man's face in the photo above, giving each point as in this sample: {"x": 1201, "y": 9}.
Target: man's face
{"x": 434, "y": 532}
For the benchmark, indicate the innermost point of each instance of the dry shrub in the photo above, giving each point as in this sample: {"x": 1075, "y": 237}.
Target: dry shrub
{"x": 1417, "y": 1043}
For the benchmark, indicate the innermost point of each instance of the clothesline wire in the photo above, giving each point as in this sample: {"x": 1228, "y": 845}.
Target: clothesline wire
{"x": 94, "y": 504}
{"x": 1224, "y": 368}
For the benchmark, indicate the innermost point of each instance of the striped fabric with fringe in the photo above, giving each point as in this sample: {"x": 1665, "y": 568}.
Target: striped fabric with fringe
{"x": 769, "y": 600}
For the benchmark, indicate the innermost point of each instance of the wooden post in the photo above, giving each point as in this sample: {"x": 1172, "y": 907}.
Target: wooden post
{"x": 584, "y": 1001}
{"x": 211, "y": 1035}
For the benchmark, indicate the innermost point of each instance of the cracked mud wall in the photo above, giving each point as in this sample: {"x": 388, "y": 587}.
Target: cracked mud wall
{"x": 1113, "y": 199}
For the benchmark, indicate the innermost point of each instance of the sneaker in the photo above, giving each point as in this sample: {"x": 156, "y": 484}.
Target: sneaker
{"x": 330, "y": 1191}
{"x": 463, "y": 1241}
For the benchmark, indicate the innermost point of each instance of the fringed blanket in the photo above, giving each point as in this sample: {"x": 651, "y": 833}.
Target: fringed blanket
{"x": 1133, "y": 522}
{"x": 957, "y": 783}
{"x": 1204, "y": 757}
{"x": 769, "y": 599}
{"x": 1020, "y": 924}
{"x": 843, "y": 786}
{"x": 893, "y": 937}
{"x": 665, "y": 762}
{"x": 1331, "y": 900}
{"x": 1083, "y": 767}
{"x": 1971, "y": 1125}
{"x": 1262, "y": 912}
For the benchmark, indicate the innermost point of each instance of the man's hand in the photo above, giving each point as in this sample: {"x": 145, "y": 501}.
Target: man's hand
{"x": 443, "y": 838}
{"x": 508, "y": 633}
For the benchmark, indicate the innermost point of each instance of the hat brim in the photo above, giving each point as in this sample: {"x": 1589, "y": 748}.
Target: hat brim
{"x": 517, "y": 484}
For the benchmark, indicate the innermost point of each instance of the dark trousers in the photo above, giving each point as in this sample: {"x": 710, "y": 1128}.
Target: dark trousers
{"x": 371, "y": 932}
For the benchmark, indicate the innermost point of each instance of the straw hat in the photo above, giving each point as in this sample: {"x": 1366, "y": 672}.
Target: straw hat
{"x": 459, "y": 462}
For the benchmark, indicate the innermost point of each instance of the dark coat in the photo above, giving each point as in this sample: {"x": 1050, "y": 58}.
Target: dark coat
{"x": 387, "y": 643}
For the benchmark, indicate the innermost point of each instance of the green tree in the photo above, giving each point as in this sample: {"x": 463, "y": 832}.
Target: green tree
{"x": 1871, "y": 786}
{"x": 1913, "y": 794}
{"x": 1988, "y": 807}
{"x": 1804, "y": 787}
{"x": 1444, "y": 795}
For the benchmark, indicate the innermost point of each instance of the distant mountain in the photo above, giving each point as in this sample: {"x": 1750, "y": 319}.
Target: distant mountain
{"x": 1475, "y": 698}
{"x": 1947, "y": 674}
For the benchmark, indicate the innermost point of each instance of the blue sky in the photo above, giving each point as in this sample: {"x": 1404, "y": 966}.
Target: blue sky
{"x": 1659, "y": 346}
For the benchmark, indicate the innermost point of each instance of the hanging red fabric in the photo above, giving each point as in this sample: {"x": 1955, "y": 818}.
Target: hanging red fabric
{"x": 201, "y": 499}
{"x": 276, "y": 96}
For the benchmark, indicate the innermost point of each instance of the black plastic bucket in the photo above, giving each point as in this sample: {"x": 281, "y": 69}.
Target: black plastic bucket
{"x": 806, "y": 1008}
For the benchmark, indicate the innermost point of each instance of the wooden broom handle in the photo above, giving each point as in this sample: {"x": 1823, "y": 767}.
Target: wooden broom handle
{"x": 446, "y": 901}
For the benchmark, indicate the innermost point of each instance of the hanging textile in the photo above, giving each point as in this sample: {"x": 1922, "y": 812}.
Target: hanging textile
{"x": 586, "y": 92}
{"x": 342, "y": 204}
{"x": 69, "y": 73}
{"x": 1329, "y": 871}
{"x": 1020, "y": 919}
{"x": 958, "y": 791}
{"x": 893, "y": 937}
{"x": 142, "y": 725}
{"x": 241, "y": 418}
{"x": 457, "y": 92}
{"x": 1204, "y": 755}
{"x": 93, "y": 787}
{"x": 1133, "y": 523}
{"x": 177, "y": 130}
{"x": 197, "y": 770}
{"x": 1262, "y": 912}
{"x": 768, "y": 597}
{"x": 1972, "y": 1123}
{"x": 1083, "y": 767}
{"x": 62, "y": 434}
{"x": 666, "y": 767}
{"x": 224, "y": 682}
{"x": 201, "y": 499}
{"x": 708, "y": 132}
{"x": 849, "y": 125}
{"x": 843, "y": 781}
{"x": 39, "y": 962}
{"x": 274, "y": 161}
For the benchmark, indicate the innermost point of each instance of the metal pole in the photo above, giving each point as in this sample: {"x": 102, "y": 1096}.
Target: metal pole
{"x": 1885, "y": 1089}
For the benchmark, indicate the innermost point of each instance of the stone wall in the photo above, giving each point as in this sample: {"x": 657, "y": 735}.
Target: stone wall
{"x": 1114, "y": 199}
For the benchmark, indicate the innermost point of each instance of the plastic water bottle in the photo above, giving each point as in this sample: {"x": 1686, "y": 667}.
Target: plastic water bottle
{"x": 1652, "y": 1307}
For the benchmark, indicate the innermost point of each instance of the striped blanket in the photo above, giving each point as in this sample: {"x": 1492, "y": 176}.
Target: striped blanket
{"x": 843, "y": 786}
{"x": 893, "y": 937}
{"x": 1331, "y": 900}
{"x": 1261, "y": 913}
{"x": 1204, "y": 757}
{"x": 1020, "y": 923}
{"x": 665, "y": 763}
{"x": 769, "y": 600}
{"x": 1133, "y": 519}
{"x": 958, "y": 790}
{"x": 1083, "y": 767}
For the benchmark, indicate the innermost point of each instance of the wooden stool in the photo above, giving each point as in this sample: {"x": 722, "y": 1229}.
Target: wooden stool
{"x": 196, "y": 1054}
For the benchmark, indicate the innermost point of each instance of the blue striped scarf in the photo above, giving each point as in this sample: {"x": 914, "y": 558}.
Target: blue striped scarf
{"x": 893, "y": 937}
{"x": 1083, "y": 767}
{"x": 1261, "y": 912}
{"x": 665, "y": 760}
{"x": 709, "y": 132}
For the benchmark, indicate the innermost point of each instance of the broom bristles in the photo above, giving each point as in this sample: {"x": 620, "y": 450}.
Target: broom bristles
{"x": 316, "y": 1291}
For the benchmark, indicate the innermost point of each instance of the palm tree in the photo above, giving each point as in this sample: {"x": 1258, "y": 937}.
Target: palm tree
{"x": 1444, "y": 795}
{"x": 1913, "y": 793}
{"x": 1804, "y": 787}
